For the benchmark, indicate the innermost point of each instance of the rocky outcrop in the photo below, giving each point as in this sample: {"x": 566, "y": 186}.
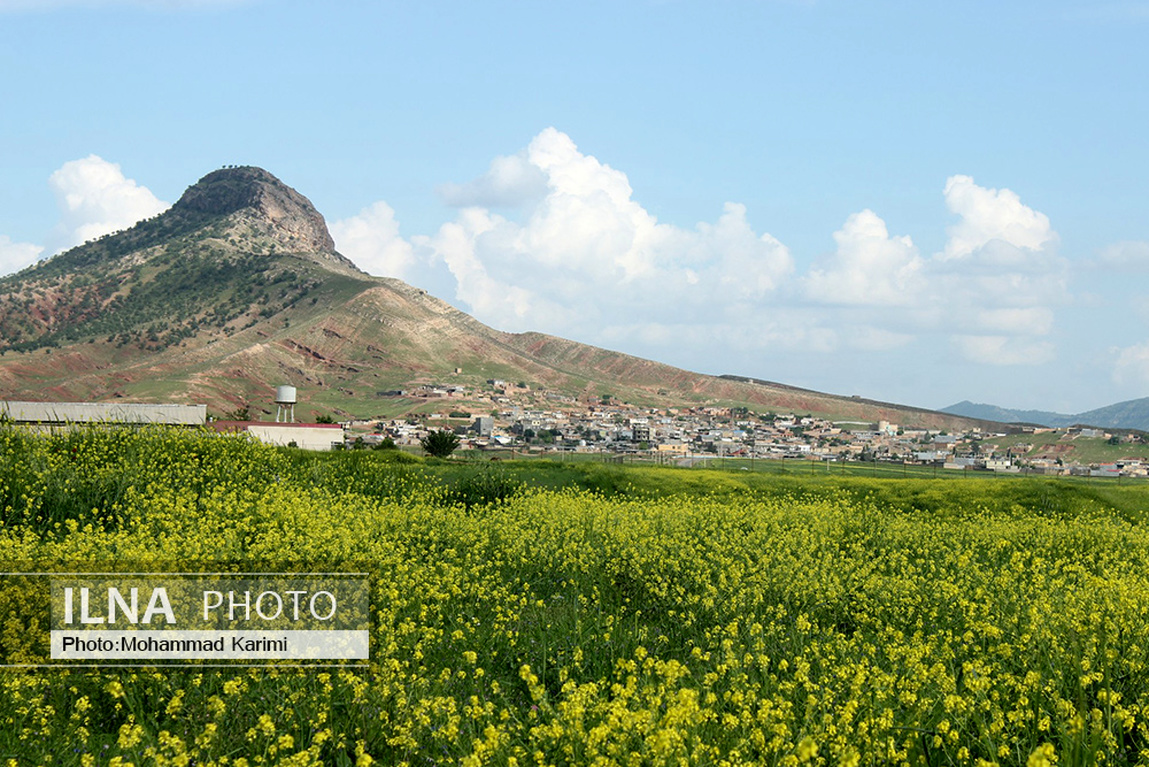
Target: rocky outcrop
{"x": 261, "y": 200}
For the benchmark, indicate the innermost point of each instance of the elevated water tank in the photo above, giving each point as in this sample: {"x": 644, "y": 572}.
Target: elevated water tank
{"x": 285, "y": 404}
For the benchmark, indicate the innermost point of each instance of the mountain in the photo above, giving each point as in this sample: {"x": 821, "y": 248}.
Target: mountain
{"x": 995, "y": 413}
{"x": 1131, "y": 414}
{"x": 238, "y": 287}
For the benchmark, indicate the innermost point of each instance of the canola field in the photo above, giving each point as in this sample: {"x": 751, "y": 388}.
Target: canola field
{"x": 849, "y": 622}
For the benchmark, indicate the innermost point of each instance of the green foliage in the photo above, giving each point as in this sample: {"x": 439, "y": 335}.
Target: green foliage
{"x": 665, "y": 616}
{"x": 187, "y": 286}
{"x": 241, "y": 413}
{"x": 483, "y": 487}
{"x": 323, "y": 418}
{"x": 440, "y": 443}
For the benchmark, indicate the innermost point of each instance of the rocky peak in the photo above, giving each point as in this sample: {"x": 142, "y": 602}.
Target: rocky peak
{"x": 262, "y": 200}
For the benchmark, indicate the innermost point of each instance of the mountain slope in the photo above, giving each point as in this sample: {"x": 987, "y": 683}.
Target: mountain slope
{"x": 995, "y": 413}
{"x": 238, "y": 287}
{"x": 1131, "y": 414}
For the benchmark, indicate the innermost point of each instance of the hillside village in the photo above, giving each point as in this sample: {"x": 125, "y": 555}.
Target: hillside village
{"x": 514, "y": 417}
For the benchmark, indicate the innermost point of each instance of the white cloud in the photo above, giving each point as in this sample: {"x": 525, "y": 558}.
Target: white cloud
{"x": 95, "y": 199}
{"x": 371, "y": 239}
{"x": 1005, "y": 350}
{"x": 573, "y": 253}
{"x": 993, "y": 289}
{"x": 1132, "y": 366}
{"x": 989, "y": 215}
{"x": 14, "y": 256}
{"x": 510, "y": 182}
{"x": 869, "y": 267}
{"x": 585, "y": 255}
{"x": 999, "y": 277}
{"x": 455, "y": 245}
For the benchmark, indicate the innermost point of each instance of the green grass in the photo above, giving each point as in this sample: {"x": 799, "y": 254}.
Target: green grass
{"x": 1083, "y": 450}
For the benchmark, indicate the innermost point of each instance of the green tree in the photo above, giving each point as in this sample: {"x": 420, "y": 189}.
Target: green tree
{"x": 440, "y": 444}
{"x": 242, "y": 413}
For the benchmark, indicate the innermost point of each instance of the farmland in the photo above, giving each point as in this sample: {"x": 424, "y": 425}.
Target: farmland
{"x": 535, "y": 613}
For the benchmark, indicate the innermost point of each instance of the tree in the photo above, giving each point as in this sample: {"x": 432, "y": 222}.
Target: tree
{"x": 324, "y": 419}
{"x": 440, "y": 444}
{"x": 242, "y": 413}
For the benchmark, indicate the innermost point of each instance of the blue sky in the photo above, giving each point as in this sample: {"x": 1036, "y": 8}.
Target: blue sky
{"x": 918, "y": 202}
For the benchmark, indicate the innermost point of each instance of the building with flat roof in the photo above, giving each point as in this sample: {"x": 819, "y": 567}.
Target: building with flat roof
{"x": 59, "y": 413}
{"x": 309, "y": 436}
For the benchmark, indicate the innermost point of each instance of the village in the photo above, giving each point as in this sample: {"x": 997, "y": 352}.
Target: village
{"x": 515, "y": 419}
{"x": 501, "y": 421}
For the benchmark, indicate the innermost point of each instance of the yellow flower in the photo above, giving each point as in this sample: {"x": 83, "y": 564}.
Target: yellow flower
{"x": 807, "y": 749}
{"x": 1044, "y": 755}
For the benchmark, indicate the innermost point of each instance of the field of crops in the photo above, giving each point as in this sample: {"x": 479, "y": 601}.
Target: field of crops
{"x": 596, "y": 615}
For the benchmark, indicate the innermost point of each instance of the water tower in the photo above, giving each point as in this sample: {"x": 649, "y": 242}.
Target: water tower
{"x": 285, "y": 402}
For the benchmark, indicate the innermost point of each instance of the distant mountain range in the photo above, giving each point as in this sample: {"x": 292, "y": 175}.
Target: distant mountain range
{"x": 1132, "y": 414}
{"x": 238, "y": 288}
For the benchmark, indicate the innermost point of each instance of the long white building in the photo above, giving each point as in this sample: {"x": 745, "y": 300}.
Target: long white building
{"x": 51, "y": 413}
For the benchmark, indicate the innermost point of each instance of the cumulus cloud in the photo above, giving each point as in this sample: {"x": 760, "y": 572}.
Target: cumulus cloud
{"x": 551, "y": 238}
{"x": 371, "y": 239}
{"x": 456, "y": 245}
{"x": 869, "y": 267}
{"x": 999, "y": 276}
{"x": 14, "y": 256}
{"x": 993, "y": 288}
{"x": 992, "y": 216}
{"x": 95, "y": 199}
{"x": 577, "y": 253}
{"x": 510, "y": 182}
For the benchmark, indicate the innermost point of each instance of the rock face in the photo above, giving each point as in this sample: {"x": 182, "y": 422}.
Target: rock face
{"x": 261, "y": 200}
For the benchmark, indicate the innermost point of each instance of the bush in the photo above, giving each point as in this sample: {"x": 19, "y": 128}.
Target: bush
{"x": 483, "y": 488}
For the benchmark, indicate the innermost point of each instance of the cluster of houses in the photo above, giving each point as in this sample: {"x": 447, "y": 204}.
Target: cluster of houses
{"x": 563, "y": 425}
{"x": 526, "y": 421}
